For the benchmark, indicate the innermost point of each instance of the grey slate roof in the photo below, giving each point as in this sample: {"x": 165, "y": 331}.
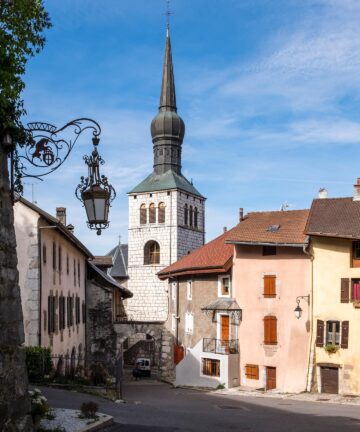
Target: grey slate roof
{"x": 119, "y": 255}
{"x": 168, "y": 180}
{"x": 223, "y": 304}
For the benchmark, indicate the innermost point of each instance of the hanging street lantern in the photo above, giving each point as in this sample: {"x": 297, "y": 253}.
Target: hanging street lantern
{"x": 298, "y": 311}
{"x": 95, "y": 192}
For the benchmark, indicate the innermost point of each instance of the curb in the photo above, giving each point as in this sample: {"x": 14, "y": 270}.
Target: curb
{"x": 107, "y": 421}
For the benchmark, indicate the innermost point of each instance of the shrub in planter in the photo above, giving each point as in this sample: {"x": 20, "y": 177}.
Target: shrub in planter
{"x": 39, "y": 406}
{"x": 38, "y": 363}
{"x": 89, "y": 410}
{"x": 331, "y": 349}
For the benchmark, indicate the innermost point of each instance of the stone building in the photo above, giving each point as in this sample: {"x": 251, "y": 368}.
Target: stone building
{"x": 166, "y": 215}
{"x": 204, "y": 316}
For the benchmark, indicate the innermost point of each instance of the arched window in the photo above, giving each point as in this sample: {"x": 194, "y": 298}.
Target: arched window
{"x": 152, "y": 213}
{"x": 143, "y": 214}
{"x": 186, "y": 212}
{"x": 196, "y": 217}
{"x": 191, "y": 214}
{"x": 152, "y": 252}
{"x": 161, "y": 213}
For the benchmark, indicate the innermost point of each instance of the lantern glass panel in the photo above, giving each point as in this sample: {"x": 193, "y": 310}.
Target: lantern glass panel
{"x": 90, "y": 210}
{"x": 100, "y": 209}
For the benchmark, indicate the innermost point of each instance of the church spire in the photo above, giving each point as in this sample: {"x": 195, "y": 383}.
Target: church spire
{"x": 167, "y": 128}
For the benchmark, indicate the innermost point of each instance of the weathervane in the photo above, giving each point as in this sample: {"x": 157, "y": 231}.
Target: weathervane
{"x": 168, "y": 13}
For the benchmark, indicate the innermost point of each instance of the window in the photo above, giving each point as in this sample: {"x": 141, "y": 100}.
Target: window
{"x": 143, "y": 214}
{"x": 356, "y": 250}
{"x": 51, "y": 314}
{"x": 74, "y": 272}
{"x": 173, "y": 322}
{"x": 161, "y": 213}
{"x": 70, "y": 311}
{"x": 44, "y": 253}
{"x": 355, "y": 289}
{"x": 189, "y": 323}
{"x": 224, "y": 286}
{"x": 252, "y": 371}
{"x": 77, "y": 309}
{"x": 173, "y": 291}
{"x": 332, "y": 333}
{"x": 186, "y": 214}
{"x": 54, "y": 256}
{"x": 269, "y": 286}
{"x": 61, "y": 312}
{"x": 152, "y": 253}
{"x": 210, "y": 367}
{"x": 189, "y": 290}
{"x": 83, "y": 312}
{"x": 191, "y": 213}
{"x": 152, "y": 213}
{"x": 270, "y": 330}
{"x": 78, "y": 273}
{"x": 67, "y": 265}
{"x": 196, "y": 217}
{"x": 269, "y": 250}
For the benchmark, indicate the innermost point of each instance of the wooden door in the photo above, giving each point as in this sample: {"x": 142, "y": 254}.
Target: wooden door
{"x": 329, "y": 380}
{"x": 225, "y": 327}
{"x": 270, "y": 378}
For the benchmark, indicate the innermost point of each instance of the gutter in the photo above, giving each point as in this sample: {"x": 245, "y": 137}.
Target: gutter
{"x": 265, "y": 243}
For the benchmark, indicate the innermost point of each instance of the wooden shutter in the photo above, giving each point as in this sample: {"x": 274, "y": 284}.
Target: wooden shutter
{"x": 270, "y": 330}
{"x": 344, "y": 291}
{"x": 269, "y": 286}
{"x": 345, "y": 334}
{"x": 49, "y": 315}
{"x": 319, "y": 333}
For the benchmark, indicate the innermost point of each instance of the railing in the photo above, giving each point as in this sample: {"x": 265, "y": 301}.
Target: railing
{"x": 218, "y": 346}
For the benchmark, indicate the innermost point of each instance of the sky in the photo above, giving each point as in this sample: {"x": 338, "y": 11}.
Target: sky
{"x": 269, "y": 91}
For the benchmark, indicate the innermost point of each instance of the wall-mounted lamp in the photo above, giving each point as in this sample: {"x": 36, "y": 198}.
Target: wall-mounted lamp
{"x": 298, "y": 310}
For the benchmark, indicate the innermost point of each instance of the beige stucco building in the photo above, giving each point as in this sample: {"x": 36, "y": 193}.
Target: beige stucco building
{"x": 271, "y": 269}
{"x": 334, "y": 226}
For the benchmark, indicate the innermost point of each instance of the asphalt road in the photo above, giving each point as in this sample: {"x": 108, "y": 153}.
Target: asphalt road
{"x": 159, "y": 407}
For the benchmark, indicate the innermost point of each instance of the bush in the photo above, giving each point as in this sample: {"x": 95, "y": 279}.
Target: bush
{"x": 39, "y": 405}
{"x": 38, "y": 363}
{"x": 331, "y": 349}
{"x": 89, "y": 410}
{"x": 98, "y": 374}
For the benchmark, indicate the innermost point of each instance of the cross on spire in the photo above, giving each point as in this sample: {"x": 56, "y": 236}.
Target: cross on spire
{"x": 168, "y": 13}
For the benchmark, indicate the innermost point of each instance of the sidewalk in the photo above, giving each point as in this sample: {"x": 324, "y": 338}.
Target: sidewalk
{"x": 310, "y": 397}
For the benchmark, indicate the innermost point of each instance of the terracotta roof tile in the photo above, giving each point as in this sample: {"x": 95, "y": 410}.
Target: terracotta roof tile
{"x": 334, "y": 217}
{"x": 273, "y": 227}
{"x": 213, "y": 257}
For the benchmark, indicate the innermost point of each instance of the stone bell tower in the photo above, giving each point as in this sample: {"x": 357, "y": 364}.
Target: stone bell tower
{"x": 166, "y": 211}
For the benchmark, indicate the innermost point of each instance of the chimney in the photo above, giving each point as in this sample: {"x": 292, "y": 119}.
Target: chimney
{"x": 357, "y": 190}
{"x": 323, "y": 193}
{"x": 71, "y": 228}
{"x": 61, "y": 215}
{"x": 241, "y": 214}
{"x": 225, "y": 229}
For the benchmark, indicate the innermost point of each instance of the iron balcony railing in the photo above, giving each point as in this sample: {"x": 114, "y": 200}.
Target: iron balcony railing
{"x": 218, "y": 346}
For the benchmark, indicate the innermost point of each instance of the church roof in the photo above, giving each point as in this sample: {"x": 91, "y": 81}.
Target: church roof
{"x": 119, "y": 255}
{"x": 168, "y": 180}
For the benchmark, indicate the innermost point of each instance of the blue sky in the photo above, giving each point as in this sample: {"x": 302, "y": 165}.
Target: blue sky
{"x": 269, "y": 91}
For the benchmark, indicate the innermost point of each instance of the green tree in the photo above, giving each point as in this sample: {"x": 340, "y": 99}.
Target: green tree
{"x": 22, "y": 26}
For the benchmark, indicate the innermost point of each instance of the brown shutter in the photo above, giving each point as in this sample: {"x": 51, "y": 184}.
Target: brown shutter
{"x": 266, "y": 330}
{"x": 273, "y": 329}
{"x": 269, "y": 286}
{"x": 345, "y": 334}
{"x": 344, "y": 295}
{"x": 320, "y": 333}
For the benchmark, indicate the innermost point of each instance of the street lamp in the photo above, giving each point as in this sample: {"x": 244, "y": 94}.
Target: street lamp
{"x": 47, "y": 150}
{"x": 298, "y": 311}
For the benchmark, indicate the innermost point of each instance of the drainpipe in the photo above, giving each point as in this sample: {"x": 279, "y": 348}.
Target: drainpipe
{"x": 306, "y": 250}
{"x": 40, "y": 283}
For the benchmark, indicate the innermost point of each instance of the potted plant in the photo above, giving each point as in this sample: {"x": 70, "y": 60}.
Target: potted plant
{"x": 331, "y": 349}
{"x": 356, "y": 304}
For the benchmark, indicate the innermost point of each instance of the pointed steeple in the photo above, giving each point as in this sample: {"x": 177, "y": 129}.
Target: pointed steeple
{"x": 167, "y": 128}
{"x": 168, "y": 96}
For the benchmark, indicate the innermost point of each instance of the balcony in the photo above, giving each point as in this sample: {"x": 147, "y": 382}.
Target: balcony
{"x": 218, "y": 346}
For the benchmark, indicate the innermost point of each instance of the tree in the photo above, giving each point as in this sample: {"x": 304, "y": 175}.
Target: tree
{"x": 22, "y": 26}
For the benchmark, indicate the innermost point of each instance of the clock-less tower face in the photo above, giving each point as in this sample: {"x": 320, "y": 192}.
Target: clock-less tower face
{"x": 166, "y": 211}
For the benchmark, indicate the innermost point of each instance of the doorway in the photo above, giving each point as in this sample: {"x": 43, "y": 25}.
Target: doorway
{"x": 270, "y": 378}
{"x": 329, "y": 379}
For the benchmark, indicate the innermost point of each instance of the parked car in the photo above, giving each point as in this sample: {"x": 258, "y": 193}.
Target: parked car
{"x": 142, "y": 367}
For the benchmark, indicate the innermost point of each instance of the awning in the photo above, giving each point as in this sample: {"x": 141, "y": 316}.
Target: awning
{"x": 226, "y": 305}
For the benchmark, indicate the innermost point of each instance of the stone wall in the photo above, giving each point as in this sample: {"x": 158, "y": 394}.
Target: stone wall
{"x": 14, "y": 400}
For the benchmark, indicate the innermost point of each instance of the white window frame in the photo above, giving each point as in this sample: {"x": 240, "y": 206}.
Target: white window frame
{"x": 189, "y": 323}
{"x": 218, "y": 378}
{"x": 173, "y": 291}
{"x": 189, "y": 288}
{"x": 220, "y": 279}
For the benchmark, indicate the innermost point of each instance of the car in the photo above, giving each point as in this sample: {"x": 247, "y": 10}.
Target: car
{"x": 142, "y": 367}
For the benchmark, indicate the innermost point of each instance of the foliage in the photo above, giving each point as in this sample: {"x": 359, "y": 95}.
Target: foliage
{"x": 89, "y": 410}
{"x": 331, "y": 349}
{"x": 98, "y": 374}
{"x": 22, "y": 26}
{"x": 39, "y": 405}
{"x": 220, "y": 387}
{"x": 38, "y": 363}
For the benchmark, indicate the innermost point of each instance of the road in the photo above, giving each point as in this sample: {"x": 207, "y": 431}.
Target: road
{"x": 157, "y": 407}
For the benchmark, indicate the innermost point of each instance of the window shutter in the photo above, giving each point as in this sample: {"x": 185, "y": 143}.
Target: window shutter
{"x": 49, "y": 315}
{"x": 269, "y": 286}
{"x": 273, "y": 330}
{"x": 345, "y": 284}
{"x": 319, "y": 333}
{"x": 345, "y": 334}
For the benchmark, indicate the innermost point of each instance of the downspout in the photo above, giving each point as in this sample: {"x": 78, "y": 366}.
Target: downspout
{"x": 40, "y": 283}
{"x": 171, "y": 224}
{"x": 311, "y": 305}
{"x": 177, "y": 312}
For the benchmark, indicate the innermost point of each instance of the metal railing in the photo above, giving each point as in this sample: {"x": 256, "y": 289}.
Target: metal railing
{"x": 218, "y": 346}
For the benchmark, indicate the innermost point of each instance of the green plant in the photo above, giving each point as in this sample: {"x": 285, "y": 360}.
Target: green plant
{"x": 39, "y": 406}
{"x": 89, "y": 410}
{"x": 38, "y": 363}
{"x": 220, "y": 387}
{"x": 331, "y": 349}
